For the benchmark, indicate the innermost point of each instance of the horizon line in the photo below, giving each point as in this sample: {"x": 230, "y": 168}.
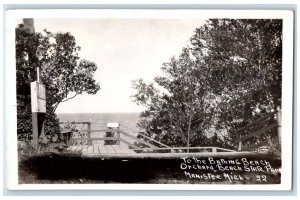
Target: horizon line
{"x": 95, "y": 112}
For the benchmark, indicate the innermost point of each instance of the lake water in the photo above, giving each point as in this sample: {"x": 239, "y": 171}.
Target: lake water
{"x": 127, "y": 119}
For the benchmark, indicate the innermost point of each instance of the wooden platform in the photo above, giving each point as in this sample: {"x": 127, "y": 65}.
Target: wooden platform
{"x": 100, "y": 149}
{"x": 122, "y": 151}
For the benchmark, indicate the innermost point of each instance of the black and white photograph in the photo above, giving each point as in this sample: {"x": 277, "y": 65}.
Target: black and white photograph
{"x": 193, "y": 99}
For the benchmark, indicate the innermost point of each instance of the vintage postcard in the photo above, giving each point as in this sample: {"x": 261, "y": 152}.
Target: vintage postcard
{"x": 149, "y": 99}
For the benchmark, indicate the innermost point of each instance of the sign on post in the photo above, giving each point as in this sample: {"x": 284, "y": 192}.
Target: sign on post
{"x": 38, "y": 108}
{"x": 38, "y": 97}
{"x": 112, "y": 125}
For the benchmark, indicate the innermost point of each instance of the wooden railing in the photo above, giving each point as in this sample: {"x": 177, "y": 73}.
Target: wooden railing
{"x": 266, "y": 127}
{"x": 70, "y": 132}
{"x": 128, "y": 136}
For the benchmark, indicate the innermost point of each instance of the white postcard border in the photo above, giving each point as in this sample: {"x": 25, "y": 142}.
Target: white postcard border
{"x": 287, "y": 92}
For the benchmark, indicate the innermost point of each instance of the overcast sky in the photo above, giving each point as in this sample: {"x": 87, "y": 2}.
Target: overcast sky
{"x": 124, "y": 50}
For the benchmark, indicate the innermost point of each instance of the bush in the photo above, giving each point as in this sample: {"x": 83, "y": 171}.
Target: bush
{"x": 24, "y": 124}
{"x": 51, "y": 125}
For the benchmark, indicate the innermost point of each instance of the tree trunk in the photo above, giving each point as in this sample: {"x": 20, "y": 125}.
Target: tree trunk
{"x": 189, "y": 131}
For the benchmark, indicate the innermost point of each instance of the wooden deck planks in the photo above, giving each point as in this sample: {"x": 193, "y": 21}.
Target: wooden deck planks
{"x": 110, "y": 149}
{"x": 84, "y": 149}
{"x": 102, "y": 149}
{"x": 124, "y": 149}
{"x": 117, "y": 148}
{"x": 127, "y": 151}
{"x": 90, "y": 149}
{"x": 98, "y": 150}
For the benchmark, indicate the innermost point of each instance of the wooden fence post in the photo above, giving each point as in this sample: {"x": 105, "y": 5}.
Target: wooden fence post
{"x": 38, "y": 109}
{"x": 279, "y": 124}
{"x": 214, "y": 150}
{"x": 240, "y": 145}
{"x": 38, "y": 121}
{"x": 118, "y": 134}
{"x": 89, "y": 133}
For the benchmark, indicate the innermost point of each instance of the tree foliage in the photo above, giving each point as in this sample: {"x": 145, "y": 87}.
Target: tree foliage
{"x": 228, "y": 75}
{"x": 63, "y": 73}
